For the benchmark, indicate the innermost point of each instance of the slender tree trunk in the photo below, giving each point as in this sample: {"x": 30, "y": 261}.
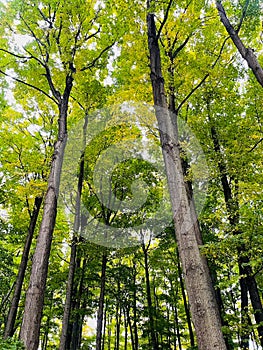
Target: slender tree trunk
{"x": 118, "y": 318}
{"x": 204, "y": 308}
{"x": 30, "y": 329}
{"x": 186, "y": 307}
{"x": 72, "y": 264}
{"x": 104, "y": 327}
{"x": 125, "y": 330}
{"x": 149, "y": 299}
{"x": 9, "y": 329}
{"x": 134, "y": 306}
{"x": 244, "y": 345}
{"x": 247, "y": 279}
{"x": 101, "y": 302}
{"x": 130, "y": 327}
{"x": 75, "y": 339}
{"x": 247, "y": 53}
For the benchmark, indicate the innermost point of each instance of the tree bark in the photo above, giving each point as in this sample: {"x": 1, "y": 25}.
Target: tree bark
{"x": 246, "y": 53}
{"x": 72, "y": 264}
{"x": 149, "y": 299}
{"x": 203, "y": 306}
{"x": 30, "y": 329}
{"x": 9, "y": 328}
{"x": 101, "y": 302}
{"x": 186, "y": 307}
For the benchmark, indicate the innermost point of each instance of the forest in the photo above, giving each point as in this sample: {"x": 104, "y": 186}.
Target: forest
{"x": 131, "y": 187}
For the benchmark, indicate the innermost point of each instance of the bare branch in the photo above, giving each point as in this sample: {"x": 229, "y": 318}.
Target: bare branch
{"x": 29, "y": 85}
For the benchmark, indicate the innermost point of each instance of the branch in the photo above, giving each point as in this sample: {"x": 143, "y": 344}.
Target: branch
{"x": 246, "y": 53}
{"x": 192, "y": 91}
{"x": 256, "y": 144}
{"x": 92, "y": 64}
{"x": 164, "y": 20}
{"x": 29, "y": 85}
{"x": 175, "y": 53}
{"x": 87, "y": 37}
{"x": 55, "y": 93}
{"x": 243, "y": 16}
{"x": 39, "y": 43}
{"x": 204, "y": 78}
{"x": 16, "y": 55}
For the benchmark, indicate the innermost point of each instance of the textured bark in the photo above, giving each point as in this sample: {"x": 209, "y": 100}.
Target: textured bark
{"x": 9, "y": 328}
{"x": 72, "y": 264}
{"x": 203, "y": 306}
{"x": 30, "y": 328}
{"x": 246, "y": 53}
{"x": 101, "y": 303}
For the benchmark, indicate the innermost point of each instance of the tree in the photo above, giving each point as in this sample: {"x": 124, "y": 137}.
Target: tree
{"x": 201, "y": 295}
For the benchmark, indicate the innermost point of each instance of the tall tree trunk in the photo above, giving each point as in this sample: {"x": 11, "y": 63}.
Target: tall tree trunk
{"x": 186, "y": 307}
{"x": 101, "y": 302}
{"x": 118, "y": 317}
{"x": 30, "y": 329}
{"x": 203, "y": 306}
{"x": 130, "y": 326}
{"x": 72, "y": 264}
{"x": 134, "y": 307}
{"x": 149, "y": 299}
{"x": 76, "y": 334}
{"x": 247, "y": 278}
{"x": 244, "y": 345}
{"x": 9, "y": 328}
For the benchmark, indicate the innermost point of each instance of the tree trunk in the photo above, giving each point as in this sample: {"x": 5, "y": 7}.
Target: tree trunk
{"x": 9, "y": 328}
{"x": 118, "y": 318}
{"x": 246, "y": 53}
{"x": 76, "y": 334}
{"x": 134, "y": 306}
{"x": 30, "y": 329}
{"x": 203, "y": 306}
{"x": 247, "y": 279}
{"x": 186, "y": 307}
{"x": 72, "y": 264}
{"x": 149, "y": 299}
{"x": 101, "y": 302}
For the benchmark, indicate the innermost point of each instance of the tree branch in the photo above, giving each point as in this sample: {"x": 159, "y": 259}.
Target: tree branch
{"x": 192, "y": 91}
{"x": 15, "y": 55}
{"x": 55, "y": 93}
{"x": 243, "y": 16}
{"x": 256, "y": 144}
{"x": 92, "y": 64}
{"x": 246, "y": 53}
{"x": 164, "y": 20}
{"x": 29, "y": 85}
